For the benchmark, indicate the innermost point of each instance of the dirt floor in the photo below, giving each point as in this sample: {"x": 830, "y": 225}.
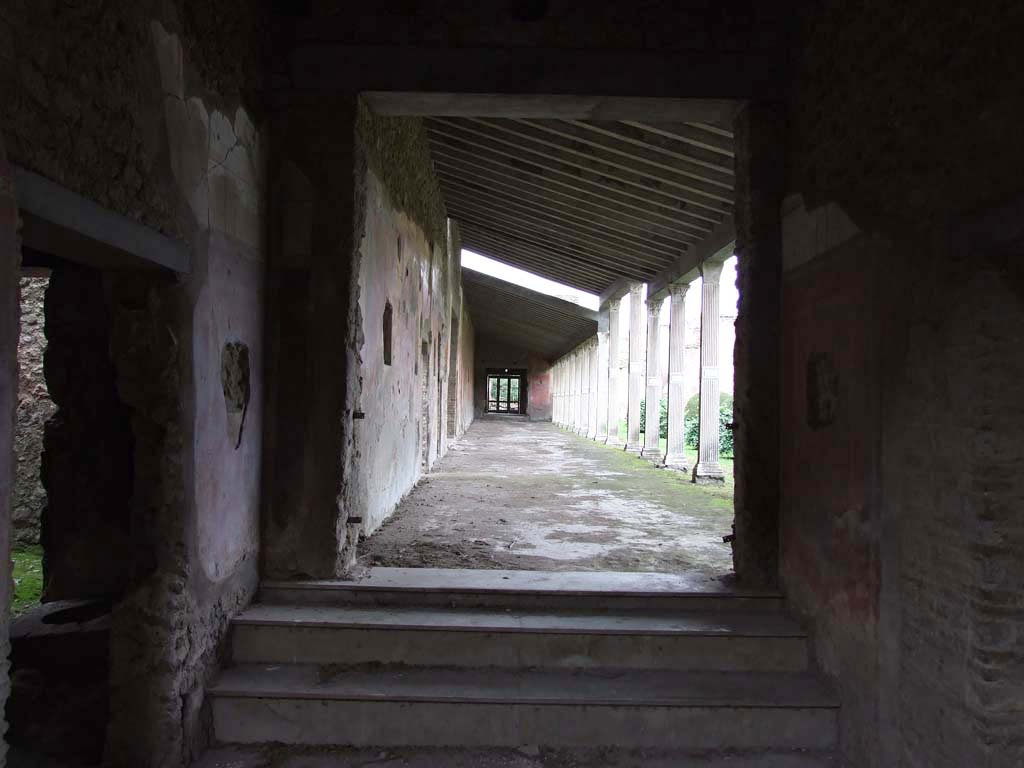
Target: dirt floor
{"x": 523, "y": 495}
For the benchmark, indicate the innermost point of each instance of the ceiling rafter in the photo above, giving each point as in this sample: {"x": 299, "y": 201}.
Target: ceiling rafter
{"x": 480, "y": 142}
{"x": 708, "y": 175}
{"x": 629, "y": 233}
{"x": 586, "y": 276}
{"x": 692, "y": 192}
{"x": 689, "y": 133}
{"x": 586, "y": 248}
{"x": 564, "y": 256}
{"x": 466, "y": 166}
{"x": 708, "y": 210}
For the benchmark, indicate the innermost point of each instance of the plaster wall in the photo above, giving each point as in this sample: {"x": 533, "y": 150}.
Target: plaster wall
{"x": 161, "y": 135}
{"x": 830, "y": 521}
{"x": 400, "y": 267}
{"x": 228, "y": 309}
{"x": 10, "y": 264}
{"x": 492, "y": 353}
{"x": 902, "y": 514}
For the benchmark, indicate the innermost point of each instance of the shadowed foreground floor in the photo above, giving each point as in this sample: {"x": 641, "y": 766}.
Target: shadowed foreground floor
{"x": 522, "y": 495}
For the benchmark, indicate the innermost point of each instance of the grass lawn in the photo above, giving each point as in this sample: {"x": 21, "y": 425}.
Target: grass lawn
{"x": 725, "y": 490}
{"x": 691, "y": 453}
{"x": 28, "y": 578}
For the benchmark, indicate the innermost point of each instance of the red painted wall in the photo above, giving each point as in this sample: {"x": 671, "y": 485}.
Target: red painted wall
{"x": 829, "y": 517}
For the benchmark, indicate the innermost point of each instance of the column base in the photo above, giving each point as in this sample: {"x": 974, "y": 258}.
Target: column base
{"x": 708, "y": 474}
{"x": 591, "y": 435}
{"x": 615, "y": 441}
{"x": 677, "y": 463}
{"x": 636, "y": 448}
{"x": 601, "y": 438}
{"x": 653, "y": 454}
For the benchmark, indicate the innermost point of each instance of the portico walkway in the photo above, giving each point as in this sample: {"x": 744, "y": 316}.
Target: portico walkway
{"x": 514, "y": 494}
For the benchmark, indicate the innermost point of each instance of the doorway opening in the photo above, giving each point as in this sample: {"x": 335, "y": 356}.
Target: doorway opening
{"x": 602, "y": 338}
{"x": 506, "y": 391}
{"x": 82, "y": 538}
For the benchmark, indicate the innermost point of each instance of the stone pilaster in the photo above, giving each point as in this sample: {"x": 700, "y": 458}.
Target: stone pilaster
{"x": 570, "y": 392}
{"x": 760, "y": 143}
{"x": 675, "y": 456}
{"x": 651, "y": 449}
{"x": 708, "y": 469}
{"x": 585, "y": 391}
{"x": 577, "y": 391}
{"x": 601, "y": 405}
{"x": 592, "y": 386}
{"x": 614, "y": 374}
{"x": 637, "y": 366}
{"x": 562, "y": 396}
{"x": 556, "y": 392}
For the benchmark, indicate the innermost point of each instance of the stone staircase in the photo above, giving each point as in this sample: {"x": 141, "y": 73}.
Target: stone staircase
{"x": 504, "y": 659}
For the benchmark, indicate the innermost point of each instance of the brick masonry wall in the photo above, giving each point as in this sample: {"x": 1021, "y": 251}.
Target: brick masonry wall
{"x": 34, "y": 408}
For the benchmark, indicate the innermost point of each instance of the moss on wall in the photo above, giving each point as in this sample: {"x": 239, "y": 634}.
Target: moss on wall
{"x": 399, "y": 155}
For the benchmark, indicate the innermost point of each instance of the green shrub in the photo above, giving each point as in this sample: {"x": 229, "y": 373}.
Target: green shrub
{"x": 691, "y": 423}
{"x": 662, "y": 418}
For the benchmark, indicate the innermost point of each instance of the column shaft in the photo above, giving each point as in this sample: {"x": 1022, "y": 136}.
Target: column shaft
{"x": 585, "y": 390}
{"x": 577, "y": 391}
{"x": 637, "y": 365}
{"x": 556, "y": 375}
{"x": 592, "y": 401}
{"x": 601, "y": 403}
{"x": 652, "y": 449}
{"x": 614, "y": 375}
{"x": 675, "y": 455}
{"x": 708, "y": 470}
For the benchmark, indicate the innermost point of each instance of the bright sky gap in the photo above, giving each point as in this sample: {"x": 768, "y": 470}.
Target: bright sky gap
{"x": 521, "y": 277}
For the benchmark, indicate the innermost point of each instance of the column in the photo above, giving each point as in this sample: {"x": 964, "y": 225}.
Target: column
{"x": 567, "y": 420}
{"x": 577, "y": 391}
{"x": 614, "y": 413}
{"x": 585, "y": 390}
{"x": 592, "y": 418}
{"x": 563, "y": 407}
{"x": 556, "y": 385}
{"x": 708, "y": 469}
{"x": 675, "y": 456}
{"x": 760, "y": 130}
{"x": 651, "y": 449}
{"x": 601, "y": 384}
{"x": 637, "y": 364}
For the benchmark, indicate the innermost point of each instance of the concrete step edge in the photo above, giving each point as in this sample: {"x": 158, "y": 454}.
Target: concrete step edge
{"x": 245, "y": 682}
{"x": 342, "y": 586}
{"x": 250, "y": 618}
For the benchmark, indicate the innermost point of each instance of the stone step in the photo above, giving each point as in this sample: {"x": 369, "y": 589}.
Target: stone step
{"x": 610, "y": 592}
{"x": 401, "y": 706}
{"x": 543, "y": 639}
{"x": 526, "y": 756}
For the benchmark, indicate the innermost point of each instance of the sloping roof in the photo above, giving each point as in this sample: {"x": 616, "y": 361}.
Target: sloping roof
{"x": 527, "y": 319}
{"x": 589, "y": 203}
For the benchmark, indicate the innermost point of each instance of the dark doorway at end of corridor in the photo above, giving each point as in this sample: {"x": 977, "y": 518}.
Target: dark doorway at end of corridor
{"x": 506, "y": 390}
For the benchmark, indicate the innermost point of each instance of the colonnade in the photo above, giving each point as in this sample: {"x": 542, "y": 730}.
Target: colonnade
{"x": 587, "y": 382}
